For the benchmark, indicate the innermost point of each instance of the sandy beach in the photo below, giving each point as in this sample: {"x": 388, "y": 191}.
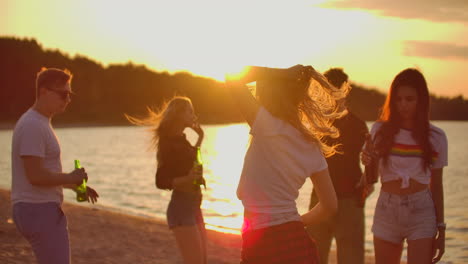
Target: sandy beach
{"x": 102, "y": 236}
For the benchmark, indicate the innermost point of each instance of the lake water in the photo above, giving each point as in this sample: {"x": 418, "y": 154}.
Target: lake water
{"x": 121, "y": 169}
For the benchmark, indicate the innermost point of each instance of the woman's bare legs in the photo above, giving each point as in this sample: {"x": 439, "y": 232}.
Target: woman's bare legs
{"x": 202, "y": 230}
{"x": 192, "y": 244}
{"x": 387, "y": 252}
{"x": 420, "y": 251}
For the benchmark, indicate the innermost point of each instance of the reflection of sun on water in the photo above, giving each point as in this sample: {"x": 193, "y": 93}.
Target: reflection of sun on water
{"x": 224, "y": 211}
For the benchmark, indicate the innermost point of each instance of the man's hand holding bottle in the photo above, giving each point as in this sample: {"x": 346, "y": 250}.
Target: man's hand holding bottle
{"x": 77, "y": 176}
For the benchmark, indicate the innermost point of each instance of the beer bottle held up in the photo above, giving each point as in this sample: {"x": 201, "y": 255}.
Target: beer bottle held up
{"x": 372, "y": 170}
{"x": 80, "y": 189}
{"x": 198, "y": 162}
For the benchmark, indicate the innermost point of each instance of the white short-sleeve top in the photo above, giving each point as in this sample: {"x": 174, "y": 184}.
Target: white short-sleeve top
{"x": 405, "y": 160}
{"x": 276, "y": 165}
{"x": 33, "y": 136}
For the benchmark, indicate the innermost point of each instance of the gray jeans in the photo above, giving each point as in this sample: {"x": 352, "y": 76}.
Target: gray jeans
{"x": 45, "y": 227}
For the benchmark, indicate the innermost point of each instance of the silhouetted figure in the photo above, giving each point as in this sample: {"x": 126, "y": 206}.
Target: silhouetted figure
{"x": 37, "y": 177}
{"x": 286, "y": 126}
{"x": 347, "y": 226}
{"x": 176, "y": 172}
{"x": 411, "y": 153}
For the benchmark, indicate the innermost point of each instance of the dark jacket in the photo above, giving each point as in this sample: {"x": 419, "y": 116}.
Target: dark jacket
{"x": 176, "y": 157}
{"x": 344, "y": 168}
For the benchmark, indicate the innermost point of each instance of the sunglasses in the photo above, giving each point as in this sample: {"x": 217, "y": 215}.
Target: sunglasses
{"x": 63, "y": 94}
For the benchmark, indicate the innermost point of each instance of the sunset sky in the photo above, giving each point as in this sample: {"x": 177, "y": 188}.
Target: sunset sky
{"x": 371, "y": 39}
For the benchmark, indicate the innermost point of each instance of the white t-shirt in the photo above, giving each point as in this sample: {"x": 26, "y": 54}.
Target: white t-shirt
{"x": 276, "y": 165}
{"x": 33, "y": 136}
{"x": 405, "y": 160}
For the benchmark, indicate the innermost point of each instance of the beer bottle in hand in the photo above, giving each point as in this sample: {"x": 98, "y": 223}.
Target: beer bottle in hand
{"x": 372, "y": 170}
{"x": 80, "y": 189}
{"x": 199, "y": 163}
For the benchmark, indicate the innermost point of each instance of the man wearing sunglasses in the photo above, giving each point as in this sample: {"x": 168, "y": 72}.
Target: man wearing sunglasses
{"x": 37, "y": 177}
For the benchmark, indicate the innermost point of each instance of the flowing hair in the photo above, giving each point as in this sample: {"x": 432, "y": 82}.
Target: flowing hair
{"x": 391, "y": 120}
{"x": 161, "y": 121}
{"x": 309, "y": 103}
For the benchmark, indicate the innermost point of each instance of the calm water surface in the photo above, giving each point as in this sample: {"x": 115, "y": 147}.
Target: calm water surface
{"x": 121, "y": 168}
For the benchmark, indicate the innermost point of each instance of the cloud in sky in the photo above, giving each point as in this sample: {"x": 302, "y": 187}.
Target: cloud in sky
{"x": 437, "y": 50}
{"x": 433, "y": 10}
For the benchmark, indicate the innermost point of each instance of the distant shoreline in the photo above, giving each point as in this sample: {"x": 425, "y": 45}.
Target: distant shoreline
{"x": 6, "y": 125}
{"x": 11, "y": 125}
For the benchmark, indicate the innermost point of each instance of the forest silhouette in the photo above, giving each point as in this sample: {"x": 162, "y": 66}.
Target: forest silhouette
{"x": 105, "y": 94}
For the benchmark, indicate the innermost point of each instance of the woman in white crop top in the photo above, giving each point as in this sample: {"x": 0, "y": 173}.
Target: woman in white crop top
{"x": 287, "y": 124}
{"x": 411, "y": 155}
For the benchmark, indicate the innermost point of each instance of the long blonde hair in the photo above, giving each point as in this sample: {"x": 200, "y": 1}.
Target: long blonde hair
{"x": 161, "y": 121}
{"x": 310, "y": 104}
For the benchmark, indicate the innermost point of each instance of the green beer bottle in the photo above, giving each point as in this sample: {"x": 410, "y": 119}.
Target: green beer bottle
{"x": 199, "y": 162}
{"x": 372, "y": 170}
{"x": 80, "y": 189}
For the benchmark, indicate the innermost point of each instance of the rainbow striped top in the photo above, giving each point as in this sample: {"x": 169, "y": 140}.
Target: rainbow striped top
{"x": 406, "y": 156}
{"x": 406, "y": 151}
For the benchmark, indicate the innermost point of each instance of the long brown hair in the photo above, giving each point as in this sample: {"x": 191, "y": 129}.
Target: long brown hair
{"x": 161, "y": 121}
{"x": 310, "y": 104}
{"x": 392, "y": 120}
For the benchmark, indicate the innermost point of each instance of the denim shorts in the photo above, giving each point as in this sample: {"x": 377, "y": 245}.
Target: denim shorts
{"x": 184, "y": 209}
{"x": 45, "y": 227}
{"x": 399, "y": 217}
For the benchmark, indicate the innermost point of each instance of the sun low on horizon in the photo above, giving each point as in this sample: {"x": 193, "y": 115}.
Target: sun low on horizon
{"x": 211, "y": 38}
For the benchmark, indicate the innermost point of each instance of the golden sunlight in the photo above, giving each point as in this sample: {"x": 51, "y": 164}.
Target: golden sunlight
{"x": 211, "y": 38}
{"x": 207, "y": 38}
{"x": 225, "y": 165}
{"x": 212, "y": 41}
{"x": 236, "y": 74}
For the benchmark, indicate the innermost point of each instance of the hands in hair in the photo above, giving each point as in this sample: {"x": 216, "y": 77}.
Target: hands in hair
{"x": 300, "y": 72}
{"x": 254, "y": 73}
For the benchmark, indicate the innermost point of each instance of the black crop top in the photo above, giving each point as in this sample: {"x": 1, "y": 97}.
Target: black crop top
{"x": 176, "y": 160}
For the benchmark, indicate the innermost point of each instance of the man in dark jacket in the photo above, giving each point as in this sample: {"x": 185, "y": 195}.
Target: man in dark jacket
{"x": 347, "y": 227}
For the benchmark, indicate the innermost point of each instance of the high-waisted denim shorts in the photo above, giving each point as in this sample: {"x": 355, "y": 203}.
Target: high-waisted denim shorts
{"x": 399, "y": 217}
{"x": 184, "y": 209}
